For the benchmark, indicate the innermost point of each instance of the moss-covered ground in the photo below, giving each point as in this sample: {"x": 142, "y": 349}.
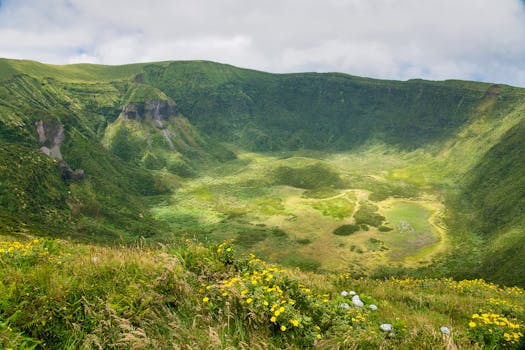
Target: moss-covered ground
{"x": 281, "y": 206}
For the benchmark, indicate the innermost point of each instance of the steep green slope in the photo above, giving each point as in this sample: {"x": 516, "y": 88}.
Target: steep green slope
{"x": 496, "y": 191}
{"x": 264, "y": 112}
{"x": 496, "y": 185}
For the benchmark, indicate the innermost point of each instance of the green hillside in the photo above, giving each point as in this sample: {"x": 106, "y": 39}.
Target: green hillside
{"x": 57, "y": 294}
{"x": 336, "y": 175}
{"x": 265, "y": 112}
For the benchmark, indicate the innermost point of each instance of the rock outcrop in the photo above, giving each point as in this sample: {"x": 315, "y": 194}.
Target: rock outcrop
{"x": 51, "y": 137}
{"x": 155, "y": 112}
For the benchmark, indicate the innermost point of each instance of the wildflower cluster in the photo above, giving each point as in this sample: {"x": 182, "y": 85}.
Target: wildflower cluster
{"x": 18, "y": 249}
{"x": 340, "y": 279}
{"x": 495, "y": 330}
{"x": 266, "y": 291}
{"x": 506, "y": 304}
{"x": 273, "y": 300}
{"x": 225, "y": 252}
{"x": 286, "y": 307}
{"x": 30, "y": 252}
{"x": 472, "y": 286}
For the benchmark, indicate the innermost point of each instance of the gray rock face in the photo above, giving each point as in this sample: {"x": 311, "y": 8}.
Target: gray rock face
{"x": 51, "y": 136}
{"x": 158, "y": 111}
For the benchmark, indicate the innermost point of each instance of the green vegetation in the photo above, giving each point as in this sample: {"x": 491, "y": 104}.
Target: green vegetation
{"x": 338, "y": 208}
{"x": 367, "y": 214}
{"x": 426, "y": 179}
{"x": 346, "y": 230}
{"x": 163, "y": 127}
{"x": 314, "y": 176}
{"x": 321, "y": 193}
{"x": 56, "y": 295}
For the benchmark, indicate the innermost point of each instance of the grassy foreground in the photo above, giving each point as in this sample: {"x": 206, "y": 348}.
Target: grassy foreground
{"x": 60, "y": 295}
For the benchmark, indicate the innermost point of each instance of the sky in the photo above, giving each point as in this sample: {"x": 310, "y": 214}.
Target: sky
{"x": 482, "y": 40}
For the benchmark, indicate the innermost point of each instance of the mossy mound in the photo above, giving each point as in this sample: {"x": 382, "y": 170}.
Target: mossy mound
{"x": 368, "y": 215}
{"x": 346, "y": 230}
{"x": 313, "y": 176}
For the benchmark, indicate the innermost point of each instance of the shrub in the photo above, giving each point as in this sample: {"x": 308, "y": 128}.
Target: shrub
{"x": 367, "y": 214}
{"x": 346, "y": 230}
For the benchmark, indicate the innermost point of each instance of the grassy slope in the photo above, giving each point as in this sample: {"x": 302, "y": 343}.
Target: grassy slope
{"x": 496, "y": 190}
{"x": 58, "y": 295}
{"x": 69, "y": 73}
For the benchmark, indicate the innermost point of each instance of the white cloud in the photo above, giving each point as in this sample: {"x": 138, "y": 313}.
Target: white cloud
{"x": 83, "y": 58}
{"x": 392, "y": 39}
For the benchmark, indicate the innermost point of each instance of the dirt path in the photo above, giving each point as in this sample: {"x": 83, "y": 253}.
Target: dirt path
{"x": 360, "y": 195}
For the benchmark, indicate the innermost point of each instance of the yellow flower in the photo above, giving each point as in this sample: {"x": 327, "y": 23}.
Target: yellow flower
{"x": 273, "y": 319}
{"x": 319, "y": 336}
{"x": 249, "y": 301}
{"x": 265, "y": 303}
{"x": 472, "y": 324}
{"x": 283, "y": 328}
{"x": 294, "y": 323}
{"x": 205, "y": 299}
{"x": 244, "y": 292}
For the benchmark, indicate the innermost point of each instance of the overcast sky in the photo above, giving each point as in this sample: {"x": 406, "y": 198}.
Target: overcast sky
{"x": 391, "y": 39}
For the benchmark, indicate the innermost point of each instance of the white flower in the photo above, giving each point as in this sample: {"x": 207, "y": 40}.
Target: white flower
{"x": 344, "y": 293}
{"x": 345, "y": 306}
{"x": 356, "y": 301}
{"x": 94, "y": 259}
{"x": 352, "y": 292}
{"x": 387, "y": 327}
{"x": 444, "y": 330}
{"x": 372, "y": 307}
